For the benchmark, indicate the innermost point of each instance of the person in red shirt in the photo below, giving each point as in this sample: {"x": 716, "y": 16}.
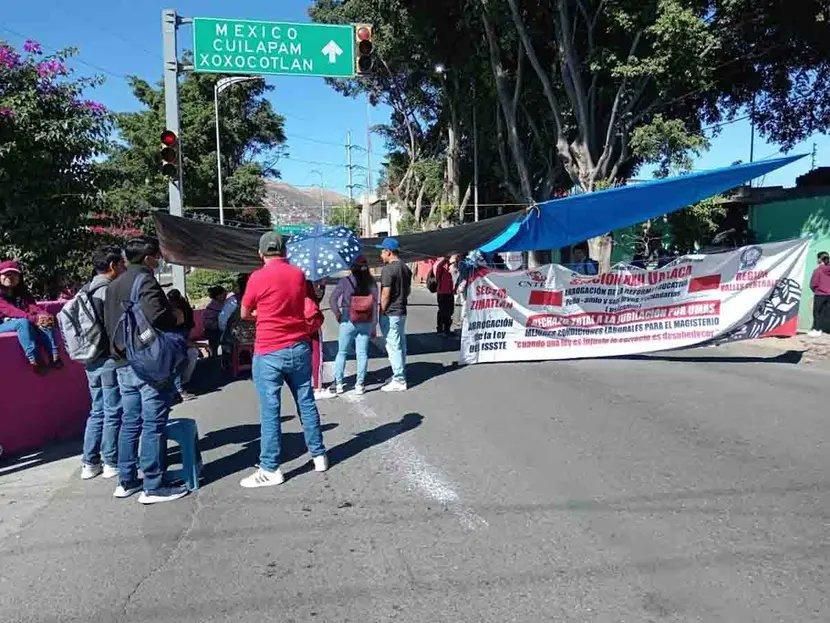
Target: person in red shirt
{"x": 445, "y": 295}
{"x": 276, "y": 298}
{"x": 820, "y": 285}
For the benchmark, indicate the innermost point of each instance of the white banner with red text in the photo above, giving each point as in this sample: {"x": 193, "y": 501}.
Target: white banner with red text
{"x": 554, "y": 313}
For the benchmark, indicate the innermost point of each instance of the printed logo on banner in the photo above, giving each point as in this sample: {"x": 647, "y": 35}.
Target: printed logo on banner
{"x": 750, "y": 258}
{"x": 535, "y": 279}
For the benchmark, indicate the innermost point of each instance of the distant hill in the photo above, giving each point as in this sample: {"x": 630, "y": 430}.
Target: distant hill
{"x": 292, "y": 206}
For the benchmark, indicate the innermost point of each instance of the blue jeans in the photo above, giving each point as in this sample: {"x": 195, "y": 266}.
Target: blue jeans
{"x": 104, "y": 421}
{"x": 146, "y": 409}
{"x": 394, "y": 330}
{"x": 291, "y": 365}
{"x": 359, "y": 334}
{"x": 29, "y": 334}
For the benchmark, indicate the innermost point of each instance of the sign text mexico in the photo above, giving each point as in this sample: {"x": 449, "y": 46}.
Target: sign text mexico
{"x": 235, "y": 46}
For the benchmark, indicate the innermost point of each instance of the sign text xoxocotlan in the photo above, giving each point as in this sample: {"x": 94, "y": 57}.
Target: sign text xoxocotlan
{"x": 250, "y": 47}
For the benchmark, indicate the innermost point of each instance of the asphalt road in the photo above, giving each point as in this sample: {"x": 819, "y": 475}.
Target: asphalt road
{"x": 683, "y": 487}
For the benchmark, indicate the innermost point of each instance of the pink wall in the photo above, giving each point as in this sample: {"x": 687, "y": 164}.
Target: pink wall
{"x": 36, "y": 410}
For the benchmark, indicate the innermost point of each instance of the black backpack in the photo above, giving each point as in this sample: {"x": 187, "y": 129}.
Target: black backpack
{"x": 432, "y": 281}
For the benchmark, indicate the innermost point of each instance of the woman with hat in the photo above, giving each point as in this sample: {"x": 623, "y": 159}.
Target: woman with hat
{"x": 19, "y": 313}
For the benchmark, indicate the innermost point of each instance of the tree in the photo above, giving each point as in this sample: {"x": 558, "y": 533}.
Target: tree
{"x": 251, "y": 136}
{"x": 347, "y": 216}
{"x": 49, "y": 136}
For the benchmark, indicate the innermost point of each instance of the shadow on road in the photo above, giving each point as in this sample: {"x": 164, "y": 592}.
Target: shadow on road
{"x": 35, "y": 458}
{"x": 790, "y": 356}
{"x": 248, "y": 436}
{"x": 365, "y": 440}
{"x": 417, "y": 373}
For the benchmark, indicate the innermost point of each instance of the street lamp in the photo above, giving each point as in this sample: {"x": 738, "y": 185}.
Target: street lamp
{"x": 221, "y": 85}
{"x": 322, "y": 202}
{"x": 441, "y": 70}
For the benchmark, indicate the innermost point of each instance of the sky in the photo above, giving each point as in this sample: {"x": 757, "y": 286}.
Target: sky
{"x": 118, "y": 38}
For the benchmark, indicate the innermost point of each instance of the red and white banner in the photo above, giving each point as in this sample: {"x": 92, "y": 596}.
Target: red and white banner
{"x": 554, "y": 313}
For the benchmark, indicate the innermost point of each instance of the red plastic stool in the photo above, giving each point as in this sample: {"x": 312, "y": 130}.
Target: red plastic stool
{"x": 237, "y": 363}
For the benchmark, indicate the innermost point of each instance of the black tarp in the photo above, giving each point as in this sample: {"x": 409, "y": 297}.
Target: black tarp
{"x": 192, "y": 242}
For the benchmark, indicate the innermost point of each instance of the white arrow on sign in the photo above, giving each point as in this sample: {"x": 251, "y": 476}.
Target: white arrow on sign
{"x": 332, "y": 50}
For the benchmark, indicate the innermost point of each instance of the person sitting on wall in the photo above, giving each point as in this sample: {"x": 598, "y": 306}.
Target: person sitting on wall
{"x": 581, "y": 262}
{"x": 19, "y": 313}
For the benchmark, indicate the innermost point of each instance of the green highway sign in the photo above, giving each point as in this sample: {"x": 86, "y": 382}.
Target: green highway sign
{"x": 292, "y": 230}
{"x": 238, "y": 46}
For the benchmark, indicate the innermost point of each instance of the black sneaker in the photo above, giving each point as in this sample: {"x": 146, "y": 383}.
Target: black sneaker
{"x": 162, "y": 494}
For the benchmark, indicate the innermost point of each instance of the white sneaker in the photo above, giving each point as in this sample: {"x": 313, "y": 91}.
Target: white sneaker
{"x": 263, "y": 478}
{"x": 324, "y": 394}
{"x": 321, "y": 463}
{"x": 814, "y": 333}
{"x": 110, "y": 471}
{"x": 124, "y": 492}
{"x": 341, "y": 389}
{"x": 359, "y": 390}
{"x": 90, "y": 471}
{"x": 394, "y": 386}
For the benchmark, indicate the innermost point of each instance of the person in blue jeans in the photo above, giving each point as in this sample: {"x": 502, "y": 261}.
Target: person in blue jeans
{"x": 20, "y": 314}
{"x": 145, "y": 405}
{"x": 356, "y": 321}
{"x": 396, "y": 283}
{"x": 104, "y": 421}
{"x": 276, "y": 298}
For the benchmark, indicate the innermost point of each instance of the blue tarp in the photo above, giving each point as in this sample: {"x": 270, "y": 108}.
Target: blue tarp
{"x": 562, "y": 222}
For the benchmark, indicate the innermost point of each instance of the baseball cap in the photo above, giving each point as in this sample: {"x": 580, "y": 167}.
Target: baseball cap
{"x": 390, "y": 244}
{"x": 271, "y": 243}
{"x": 9, "y": 266}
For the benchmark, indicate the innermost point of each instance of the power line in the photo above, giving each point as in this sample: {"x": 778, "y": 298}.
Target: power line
{"x": 76, "y": 58}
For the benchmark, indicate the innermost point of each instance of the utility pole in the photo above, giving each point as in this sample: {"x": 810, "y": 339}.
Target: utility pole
{"x": 475, "y": 158}
{"x": 813, "y": 157}
{"x": 169, "y": 23}
{"x": 349, "y": 167}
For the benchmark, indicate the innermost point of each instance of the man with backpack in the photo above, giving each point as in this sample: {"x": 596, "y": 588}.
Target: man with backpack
{"x": 85, "y": 338}
{"x": 140, "y": 323}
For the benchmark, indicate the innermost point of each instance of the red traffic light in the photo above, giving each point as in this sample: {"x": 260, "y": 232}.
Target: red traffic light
{"x": 364, "y": 33}
{"x": 169, "y": 138}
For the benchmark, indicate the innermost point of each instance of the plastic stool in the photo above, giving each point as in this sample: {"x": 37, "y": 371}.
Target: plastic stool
{"x": 236, "y": 366}
{"x": 184, "y": 432}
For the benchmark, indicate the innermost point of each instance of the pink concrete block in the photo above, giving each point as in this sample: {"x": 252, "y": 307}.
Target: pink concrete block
{"x": 36, "y": 410}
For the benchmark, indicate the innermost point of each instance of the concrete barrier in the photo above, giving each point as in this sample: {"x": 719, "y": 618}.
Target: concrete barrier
{"x": 36, "y": 410}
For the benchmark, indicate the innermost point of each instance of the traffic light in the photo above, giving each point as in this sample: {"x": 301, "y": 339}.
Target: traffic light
{"x": 365, "y": 53}
{"x": 170, "y": 154}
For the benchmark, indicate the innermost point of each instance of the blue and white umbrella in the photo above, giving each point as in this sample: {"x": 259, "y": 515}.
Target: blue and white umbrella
{"x": 322, "y": 251}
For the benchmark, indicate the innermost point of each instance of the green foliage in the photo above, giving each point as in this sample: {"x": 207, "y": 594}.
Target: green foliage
{"x": 347, "y": 216}
{"x": 667, "y": 143}
{"x": 695, "y": 226}
{"x": 250, "y": 132}
{"x": 408, "y": 225}
{"x": 49, "y": 137}
{"x": 200, "y": 279}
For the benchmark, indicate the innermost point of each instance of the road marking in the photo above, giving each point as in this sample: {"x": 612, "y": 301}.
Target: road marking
{"x": 419, "y": 475}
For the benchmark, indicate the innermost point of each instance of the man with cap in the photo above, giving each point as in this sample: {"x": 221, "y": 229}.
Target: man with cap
{"x": 396, "y": 283}
{"x": 276, "y": 298}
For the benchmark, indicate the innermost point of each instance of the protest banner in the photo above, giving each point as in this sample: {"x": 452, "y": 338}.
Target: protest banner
{"x": 554, "y": 313}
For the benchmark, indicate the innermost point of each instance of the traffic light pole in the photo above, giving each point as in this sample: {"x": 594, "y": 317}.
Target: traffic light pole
{"x": 169, "y": 24}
